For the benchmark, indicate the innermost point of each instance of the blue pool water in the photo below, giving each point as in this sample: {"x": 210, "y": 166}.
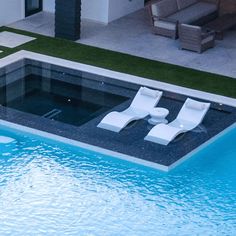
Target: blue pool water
{"x": 48, "y": 188}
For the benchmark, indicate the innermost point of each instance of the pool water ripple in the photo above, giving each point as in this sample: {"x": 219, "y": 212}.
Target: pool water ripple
{"x": 48, "y": 188}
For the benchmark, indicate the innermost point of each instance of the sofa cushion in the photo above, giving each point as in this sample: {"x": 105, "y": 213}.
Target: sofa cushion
{"x": 185, "y": 3}
{"x": 164, "y": 8}
{"x": 208, "y": 39}
{"x": 194, "y": 12}
{"x": 165, "y": 25}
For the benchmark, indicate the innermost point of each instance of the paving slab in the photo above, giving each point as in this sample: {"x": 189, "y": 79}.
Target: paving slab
{"x": 12, "y": 40}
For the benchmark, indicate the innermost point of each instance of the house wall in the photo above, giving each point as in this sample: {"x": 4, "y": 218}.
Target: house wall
{"x": 11, "y": 10}
{"x": 90, "y": 9}
{"x": 102, "y": 11}
{"x": 95, "y": 10}
{"x": 119, "y": 8}
{"x": 49, "y": 5}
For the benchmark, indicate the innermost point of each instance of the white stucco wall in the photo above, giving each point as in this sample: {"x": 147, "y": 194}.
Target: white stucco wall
{"x": 95, "y": 10}
{"x": 103, "y": 11}
{"x": 119, "y": 8}
{"x": 11, "y": 10}
{"x": 49, "y": 5}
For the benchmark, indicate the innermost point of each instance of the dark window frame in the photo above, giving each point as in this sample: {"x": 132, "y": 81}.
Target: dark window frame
{"x": 31, "y": 12}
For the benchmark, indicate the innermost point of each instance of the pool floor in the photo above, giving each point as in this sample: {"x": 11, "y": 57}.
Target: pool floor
{"x": 65, "y": 109}
{"x": 57, "y": 100}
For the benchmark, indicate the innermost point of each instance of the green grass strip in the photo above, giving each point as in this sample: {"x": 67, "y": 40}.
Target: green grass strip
{"x": 125, "y": 63}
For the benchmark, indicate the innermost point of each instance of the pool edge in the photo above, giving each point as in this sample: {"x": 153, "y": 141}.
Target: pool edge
{"x": 201, "y": 147}
{"x": 83, "y": 145}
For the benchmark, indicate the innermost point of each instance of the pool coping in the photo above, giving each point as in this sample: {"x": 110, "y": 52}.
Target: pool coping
{"x": 119, "y": 76}
{"x": 113, "y": 154}
{"x": 79, "y": 144}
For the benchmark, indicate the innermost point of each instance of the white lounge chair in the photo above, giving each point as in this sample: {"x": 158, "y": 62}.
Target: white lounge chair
{"x": 189, "y": 117}
{"x": 145, "y": 100}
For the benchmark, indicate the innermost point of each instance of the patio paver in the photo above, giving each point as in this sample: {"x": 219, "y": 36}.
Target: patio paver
{"x": 12, "y": 40}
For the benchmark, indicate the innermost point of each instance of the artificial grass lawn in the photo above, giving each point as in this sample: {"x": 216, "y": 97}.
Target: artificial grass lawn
{"x": 126, "y": 63}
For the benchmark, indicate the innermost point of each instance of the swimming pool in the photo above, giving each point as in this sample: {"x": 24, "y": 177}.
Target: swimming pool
{"x": 56, "y": 93}
{"x": 49, "y": 188}
{"x": 70, "y": 99}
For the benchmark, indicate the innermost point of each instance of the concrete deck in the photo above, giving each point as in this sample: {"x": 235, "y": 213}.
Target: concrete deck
{"x": 132, "y": 35}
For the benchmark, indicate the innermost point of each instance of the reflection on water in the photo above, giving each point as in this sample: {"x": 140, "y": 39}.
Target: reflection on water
{"x": 51, "y": 189}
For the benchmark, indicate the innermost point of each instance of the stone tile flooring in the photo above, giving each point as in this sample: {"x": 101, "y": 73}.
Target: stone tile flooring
{"x": 132, "y": 34}
{"x": 41, "y": 23}
{"x": 11, "y": 40}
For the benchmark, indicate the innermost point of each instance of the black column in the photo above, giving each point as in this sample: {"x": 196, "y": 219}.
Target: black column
{"x": 67, "y": 19}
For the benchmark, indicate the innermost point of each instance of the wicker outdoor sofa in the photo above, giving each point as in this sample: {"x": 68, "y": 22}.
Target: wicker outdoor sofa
{"x": 168, "y": 14}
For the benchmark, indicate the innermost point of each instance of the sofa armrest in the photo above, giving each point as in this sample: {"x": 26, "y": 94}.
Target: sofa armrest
{"x": 156, "y": 18}
{"x": 207, "y": 33}
{"x": 168, "y": 20}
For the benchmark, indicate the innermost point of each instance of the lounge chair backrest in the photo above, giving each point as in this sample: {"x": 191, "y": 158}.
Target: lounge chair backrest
{"x": 193, "y": 111}
{"x": 146, "y": 99}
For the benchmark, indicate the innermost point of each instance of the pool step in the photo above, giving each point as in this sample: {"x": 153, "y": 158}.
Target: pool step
{"x": 51, "y": 114}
